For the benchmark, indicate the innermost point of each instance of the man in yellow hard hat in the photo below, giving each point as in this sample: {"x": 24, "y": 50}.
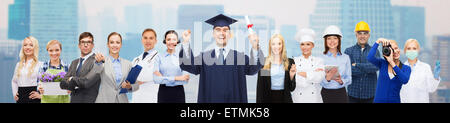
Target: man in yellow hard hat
{"x": 364, "y": 76}
{"x": 362, "y": 31}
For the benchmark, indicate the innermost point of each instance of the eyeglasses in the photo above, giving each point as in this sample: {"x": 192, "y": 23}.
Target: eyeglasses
{"x": 85, "y": 42}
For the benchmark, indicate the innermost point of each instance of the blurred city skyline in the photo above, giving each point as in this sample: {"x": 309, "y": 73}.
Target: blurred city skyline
{"x": 286, "y": 17}
{"x": 435, "y": 19}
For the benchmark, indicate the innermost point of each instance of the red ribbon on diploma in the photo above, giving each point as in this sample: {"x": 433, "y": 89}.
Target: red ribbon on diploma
{"x": 249, "y": 26}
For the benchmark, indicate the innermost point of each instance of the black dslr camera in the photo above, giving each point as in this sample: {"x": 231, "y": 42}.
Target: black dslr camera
{"x": 387, "y": 50}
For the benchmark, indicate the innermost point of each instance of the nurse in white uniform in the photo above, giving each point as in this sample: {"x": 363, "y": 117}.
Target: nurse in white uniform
{"x": 310, "y": 71}
{"x": 422, "y": 82}
{"x": 148, "y": 90}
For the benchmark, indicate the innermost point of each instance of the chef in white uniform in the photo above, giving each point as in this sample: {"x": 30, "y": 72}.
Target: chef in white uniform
{"x": 310, "y": 71}
{"x": 148, "y": 90}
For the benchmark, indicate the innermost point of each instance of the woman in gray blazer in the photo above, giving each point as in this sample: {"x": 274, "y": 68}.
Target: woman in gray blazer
{"x": 114, "y": 74}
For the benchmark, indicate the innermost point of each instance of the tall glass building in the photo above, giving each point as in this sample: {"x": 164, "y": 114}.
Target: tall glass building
{"x": 9, "y": 56}
{"x": 19, "y": 20}
{"x": 192, "y": 16}
{"x": 138, "y": 17}
{"x": 441, "y": 52}
{"x": 264, "y": 26}
{"x": 55, "y": 20}
{"x": 292, "y": 46}
{"x": 409, "y": 23}
{"x": 346, "y": 14}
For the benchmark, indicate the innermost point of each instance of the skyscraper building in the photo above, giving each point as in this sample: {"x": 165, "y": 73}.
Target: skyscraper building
{"x": 346, "y": 14}
{"x": 55, "y": 20}
{"x": 292, "y": 46}
{"x": 409, "y": 23}
{"x": 441, "y": 52}
{"x": 19, "y": 20}
{"x": 9, "y": 56}
{"x": 190, "y": 16}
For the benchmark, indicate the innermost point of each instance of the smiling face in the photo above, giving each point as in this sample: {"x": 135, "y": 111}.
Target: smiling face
{"x": 332, "y": 42}
{"x": 114, "y": 44}
{"x": 171, "y": 41}
{"x": 363, "y": 37}
{"x": 276, "y": 46}
{"x": 28, "y": 47}
{"x": 148, "y": 40}
{"x": 306, "y": 47}
{"x": 54, "y": 51}
{"x": 396, "y": 51}
{"x": 221, "y": 35}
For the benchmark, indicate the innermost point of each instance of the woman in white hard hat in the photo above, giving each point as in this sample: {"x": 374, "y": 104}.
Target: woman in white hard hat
{"x": 338, "y": 73}
{"x": 421, "y": 82}
{"x": 310, "y": 71}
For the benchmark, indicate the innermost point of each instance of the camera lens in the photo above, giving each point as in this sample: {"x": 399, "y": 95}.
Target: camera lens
{"x": 386, "y": 50}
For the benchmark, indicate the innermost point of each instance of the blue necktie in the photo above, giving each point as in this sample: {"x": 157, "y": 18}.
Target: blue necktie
{"x": 80, "y": 65}
{"x": 145, "y": 54}
{"x": 221, "y": 56}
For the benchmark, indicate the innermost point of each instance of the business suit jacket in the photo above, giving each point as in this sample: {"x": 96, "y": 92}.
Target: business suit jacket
{"x": 109, "y": 90}
{"x": 85, "y": 86}
{"x": 264, "y": 82}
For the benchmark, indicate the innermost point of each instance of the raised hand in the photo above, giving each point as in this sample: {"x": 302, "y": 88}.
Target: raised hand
{"x": 384, "y": 41}
{"x": 292, "y": 71}
{"x": 390, "y": 59}
{"x": 99, "y": 57}
{"x": 437, "y": 70}
{"x": 186, "y": 36}
{"x": 254, "y": 40}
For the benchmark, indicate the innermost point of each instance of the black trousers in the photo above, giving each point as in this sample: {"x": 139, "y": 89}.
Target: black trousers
{"x": 334, "y": 95}
{"x": 167, "y": 94}
{"x": 24, "y": 95}
{"x": 359, "y": 100}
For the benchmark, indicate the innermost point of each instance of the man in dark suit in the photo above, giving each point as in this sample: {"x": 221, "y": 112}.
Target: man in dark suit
{"x": 83, "y": 77}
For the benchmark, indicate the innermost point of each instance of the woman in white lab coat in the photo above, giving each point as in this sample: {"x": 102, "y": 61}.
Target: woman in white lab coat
{"x": 421, "y": 82}
{"x": 310, "y": 71}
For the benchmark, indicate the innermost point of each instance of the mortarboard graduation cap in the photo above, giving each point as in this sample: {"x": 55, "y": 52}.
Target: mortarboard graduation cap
{"x": 221, "y": 21}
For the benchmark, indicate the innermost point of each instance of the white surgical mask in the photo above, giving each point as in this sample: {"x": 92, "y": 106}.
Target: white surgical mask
{"x": 412, "y": 54}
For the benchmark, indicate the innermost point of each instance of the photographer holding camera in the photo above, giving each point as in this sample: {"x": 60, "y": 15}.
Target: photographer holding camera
{"x": 393, "y": 73}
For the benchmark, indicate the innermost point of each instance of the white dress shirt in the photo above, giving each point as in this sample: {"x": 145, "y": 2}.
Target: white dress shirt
{"x": 24, "y": 80}
{"x": 85, "y": 58}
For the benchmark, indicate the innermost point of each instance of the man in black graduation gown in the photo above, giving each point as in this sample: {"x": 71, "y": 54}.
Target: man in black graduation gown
{"x": 222, "y": 70}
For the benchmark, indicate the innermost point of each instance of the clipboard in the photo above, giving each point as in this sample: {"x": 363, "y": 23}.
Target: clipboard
{"x": 132, "y": 77}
